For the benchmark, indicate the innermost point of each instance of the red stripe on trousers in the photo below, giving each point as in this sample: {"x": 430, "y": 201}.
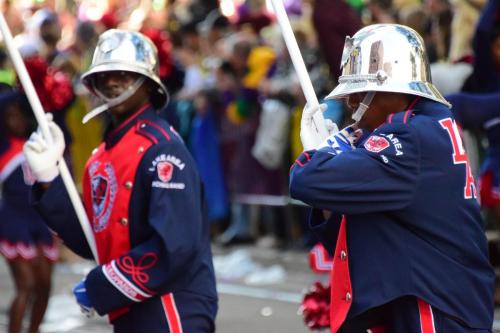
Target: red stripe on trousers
{"x": 426, "y": 320}
{"x": 174, "y": 322}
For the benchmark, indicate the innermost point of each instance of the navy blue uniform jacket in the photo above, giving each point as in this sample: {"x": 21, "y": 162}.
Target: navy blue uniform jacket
{"x": 413, "y": 222}
{"x": 167, "y": 228}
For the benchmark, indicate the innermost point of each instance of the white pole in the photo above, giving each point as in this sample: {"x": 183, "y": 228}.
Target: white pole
{"x": 300, "y": 67}
{"x": 42, "y": 122}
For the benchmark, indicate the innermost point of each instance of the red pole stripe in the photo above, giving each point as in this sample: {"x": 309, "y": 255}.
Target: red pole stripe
{"x": 426, "y": 317}
{"x": 173, "y": 320}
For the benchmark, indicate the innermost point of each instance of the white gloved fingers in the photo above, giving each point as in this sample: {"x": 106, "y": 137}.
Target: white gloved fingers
{"x": 310, "y": 135}
{"x": 39, "y": 140}
{"x": 310, "y": 110}
{"x": 32, "y": 147}
{"x": 317, "y": 108}
{"x": 331, "y": 127}
{"x": 49, "y": 116}
{"x": 56, "y": 132}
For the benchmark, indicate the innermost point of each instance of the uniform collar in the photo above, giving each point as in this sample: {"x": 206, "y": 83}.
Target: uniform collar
{"x": 114, "y": 134}
{"x": 430, "y": 108}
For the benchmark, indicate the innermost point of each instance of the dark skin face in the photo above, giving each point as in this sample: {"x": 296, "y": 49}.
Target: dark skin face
{"x": 495, "y": 54}
{"x": 15, "y": 121}
{"x": 382, "y": 105}
{"x": 113, "y": 84}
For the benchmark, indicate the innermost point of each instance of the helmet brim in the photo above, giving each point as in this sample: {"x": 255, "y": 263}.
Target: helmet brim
{"x": 417, "y": 88}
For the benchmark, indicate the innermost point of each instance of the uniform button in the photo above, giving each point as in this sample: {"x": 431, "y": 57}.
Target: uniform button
{"x": 128, "y": 185}
{"x": 348, "y": 297}
{"x": 124, "y": 221}
{"x": 343, "y": 255}
{"x": 143, "y": 125}
{"x": 140, "y": 150}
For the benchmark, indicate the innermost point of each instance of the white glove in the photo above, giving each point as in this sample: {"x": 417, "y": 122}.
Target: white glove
{"x": 309, "y": 134}
{"x": 42, "y": 157}
{"x": 344, "y": 140}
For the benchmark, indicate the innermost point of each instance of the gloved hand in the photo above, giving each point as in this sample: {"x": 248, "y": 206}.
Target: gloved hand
{"x": 42, "y": 157}
{"x": 83, "y": 299}
{"x": 344, "y": 140}
{"x": 309, "y": 134}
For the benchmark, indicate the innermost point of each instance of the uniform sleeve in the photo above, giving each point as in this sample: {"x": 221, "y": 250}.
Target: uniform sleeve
{"x": 474, "y": 110}
{"x": 175, "y": 215}
{"x": 326, "y": 230}
{"x": 380, "y": 175}
{"x": 55, "y": 206}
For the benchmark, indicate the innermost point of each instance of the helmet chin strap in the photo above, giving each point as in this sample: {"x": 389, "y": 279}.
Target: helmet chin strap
{"x": 112, "y": 102}
{"x": 363, "y": 106}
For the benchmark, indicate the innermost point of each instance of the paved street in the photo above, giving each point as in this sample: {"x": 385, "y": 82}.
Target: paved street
{"x": 257, "y": 306}
{"x": 262, "y": 295}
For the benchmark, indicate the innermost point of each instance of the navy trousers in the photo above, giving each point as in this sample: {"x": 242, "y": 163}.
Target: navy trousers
{"x": 171, "y": 313}
{"x": 406, "y": 315}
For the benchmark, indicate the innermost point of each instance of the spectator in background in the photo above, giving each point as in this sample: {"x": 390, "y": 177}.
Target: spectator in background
{"x": 481, "y": 112}
{"x": 204, "y": 145}
{"x": 72, "y": 62}
{"x": 333, "y": 20}
{"x": 237, "y": 123}
{"x": 478, "y": 112}
{"x": 78, "y": 56}
{"x": 486, "y": 44}
{"x": 25, "y": 241}
{"x": 380, "y": 11}
{"x": 46, "y": 28}
{"x": 213, "y": 31}
{"x": 238, "y": 81}
{"x": 438, "y": 30}
{"x": 463, "y": 25}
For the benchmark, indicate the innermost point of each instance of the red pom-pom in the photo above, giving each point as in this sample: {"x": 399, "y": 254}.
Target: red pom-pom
{"x": 315, "y": 307}
{"x": 109, "y": 20}
{"x": 162, "y": 42}
{"x": 53, "y": 88}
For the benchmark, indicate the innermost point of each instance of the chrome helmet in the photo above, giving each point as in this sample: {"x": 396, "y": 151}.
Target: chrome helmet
{"x": 386, "y": 58}
{"x": 121, "y": 50}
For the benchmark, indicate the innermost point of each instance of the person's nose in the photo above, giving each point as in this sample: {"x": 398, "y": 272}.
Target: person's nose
{"x": 111, "y": 82}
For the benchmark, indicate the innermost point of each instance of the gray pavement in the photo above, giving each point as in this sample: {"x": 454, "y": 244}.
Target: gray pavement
{"x": 261, "y": 295}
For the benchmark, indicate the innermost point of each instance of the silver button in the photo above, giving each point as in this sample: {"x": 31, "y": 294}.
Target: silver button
{"x": 143, "y": 125}
{"x": 348, "y": 297}
{"x": 140, "y": 150}
{"x": 123, "y": 221}
{"x": 343, "y": 255}
{"x": 128, "y": 185}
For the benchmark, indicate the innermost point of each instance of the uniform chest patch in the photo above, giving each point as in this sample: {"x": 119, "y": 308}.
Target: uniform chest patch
{"x": 376, "y": 144}
{"x": 103, "y": 187}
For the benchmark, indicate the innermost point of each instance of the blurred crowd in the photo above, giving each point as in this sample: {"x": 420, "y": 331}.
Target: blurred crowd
{"x": 234, "y": 95}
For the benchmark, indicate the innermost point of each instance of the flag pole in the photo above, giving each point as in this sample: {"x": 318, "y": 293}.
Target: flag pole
{"x": 299, "y": 65}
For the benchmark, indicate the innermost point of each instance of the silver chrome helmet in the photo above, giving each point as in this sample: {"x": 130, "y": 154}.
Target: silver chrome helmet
{"x": 387, "y": 58}
{"x": 122, "y": 50}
